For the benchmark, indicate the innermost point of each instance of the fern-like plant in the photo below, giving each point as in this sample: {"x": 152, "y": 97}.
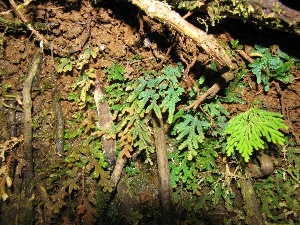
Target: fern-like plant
{"x": 158, "y": 92}
{"x": 276, "y": 66}
{"x": 190, "y": 133}
{"x": 134, "y": 102}
{"x": 250, "y": 130}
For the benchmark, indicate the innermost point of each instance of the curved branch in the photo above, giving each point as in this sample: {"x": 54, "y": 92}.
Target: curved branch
{"x": 162, "y": 11}
{"x": 27, "y": 106}
{"x": 39, "y": 37}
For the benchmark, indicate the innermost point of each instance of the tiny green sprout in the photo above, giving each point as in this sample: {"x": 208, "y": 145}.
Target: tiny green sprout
{"x": 65, "y": 65}
{"x": 235, "y": 44}
{"x": 7, "y": 87}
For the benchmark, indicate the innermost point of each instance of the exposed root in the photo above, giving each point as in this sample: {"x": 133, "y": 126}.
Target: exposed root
{"x": 105, "y": 123}
{"x": 43, "y": 41}
{"x": 211, "y": 92}
{"x": 189, "y": 80}
{"x": 28, "y": 172}
{"x": 59, "y": 121}
{"x": 240, "y": 51}
{"x": 208, "y": 43}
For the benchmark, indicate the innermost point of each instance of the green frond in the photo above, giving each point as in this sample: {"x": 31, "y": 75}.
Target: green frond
{"x": 271, "y": 66}
{"x": 115, "y": 72}
{"x": 191, "y": 134}
{"x": 170, "y": 101}
{"x": 140, "y": 87}
{"x": 247, "y": 129}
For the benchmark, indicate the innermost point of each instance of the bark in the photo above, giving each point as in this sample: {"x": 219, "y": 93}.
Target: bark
{"x": 286, "y": 17}
{"x": 27, "y": 201}
{"x": 105, "y": 123}
{"x": 162, "y": 11}
{"x": 213, "y": 90}
{"x": 252, "y": 209}
{"x": 116, "y": 174}
{"x": 59, "y": 122}
{"x": 163, "y": 171}
{"x": 275, "y": 14}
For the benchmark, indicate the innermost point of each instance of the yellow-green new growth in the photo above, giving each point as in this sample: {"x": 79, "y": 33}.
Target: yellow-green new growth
{"x": 247, "y": 130}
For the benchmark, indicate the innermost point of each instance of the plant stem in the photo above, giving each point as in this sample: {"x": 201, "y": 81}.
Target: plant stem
{"x": 163, "y": 170}
{"x": 27, "y": 214}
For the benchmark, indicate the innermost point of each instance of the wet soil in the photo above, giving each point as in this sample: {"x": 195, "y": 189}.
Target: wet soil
{"x": 121, "y": 33}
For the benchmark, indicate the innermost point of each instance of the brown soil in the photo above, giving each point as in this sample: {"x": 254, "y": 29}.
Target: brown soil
{"x": 119, "y": 33}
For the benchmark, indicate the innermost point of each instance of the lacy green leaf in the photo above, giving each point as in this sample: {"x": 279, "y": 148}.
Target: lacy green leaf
{"x": 249, "y": 130}
{"x": 269, "y": 65}
{"x": 191, "y": 133}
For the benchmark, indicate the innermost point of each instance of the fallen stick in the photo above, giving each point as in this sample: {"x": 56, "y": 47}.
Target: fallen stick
{"x": 162, "y": 11}
{"x": 59, "y": 121}
{"x": 105, "y": 123}
{"x": 28, "y": 182}
{"x": 252, "y": 209}
{"x": 213, "y": 90}
{"x": 43, "y": 41}
{"x": 165, "y": 191}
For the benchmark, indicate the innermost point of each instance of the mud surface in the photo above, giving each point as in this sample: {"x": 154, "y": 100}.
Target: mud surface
{"x": 121, "y": 33}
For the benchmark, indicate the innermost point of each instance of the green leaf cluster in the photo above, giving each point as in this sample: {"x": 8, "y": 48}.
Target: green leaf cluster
{"x": 249, "y": 130}
{"x": 190, "y": 133}
{"x": 158, "y": 92}
{"x": 271, "y": 66}
{"x": 81, "y": 89}
{"x": 189, "y": 177}
{"x": 67, "y": 64}
{"x": 115, "y": 72}
{"x": 218, "y": 115}
{"x": 134, "y": 102}
{"x": 279, "y": 193}
{"x": 116, "y": 89}
{"x": 88, "y": 154}
{"x": 83, "y": 161}
{"x": 233, "y": 93}
{"x": 235, "y": 44}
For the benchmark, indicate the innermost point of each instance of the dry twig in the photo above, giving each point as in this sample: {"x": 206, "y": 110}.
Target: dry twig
{"x": 162, "y": 11}
{"x": 240, "y": 51}
{"x": 186, "y": 75}
{"x": 213, "y": 90}
{"x": 208, "y": 43}
{"x": 38, "y": 36}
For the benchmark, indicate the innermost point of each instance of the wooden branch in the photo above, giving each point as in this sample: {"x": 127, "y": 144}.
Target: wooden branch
{"x": 29, "y": 173}
{"x": 252, "y": 209}
{"x": 162, "y": 11}
{"x": 285, "y": 18}
{"x": 59, "y": 121}
{"x": 116, "y": 174}
{"x": 44, "y": 42}
{"x": 163, "y": 170}
{"x": 274, "y": 14}
{"x": 213, "y": 90}
{"x": 105, "y": 122}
